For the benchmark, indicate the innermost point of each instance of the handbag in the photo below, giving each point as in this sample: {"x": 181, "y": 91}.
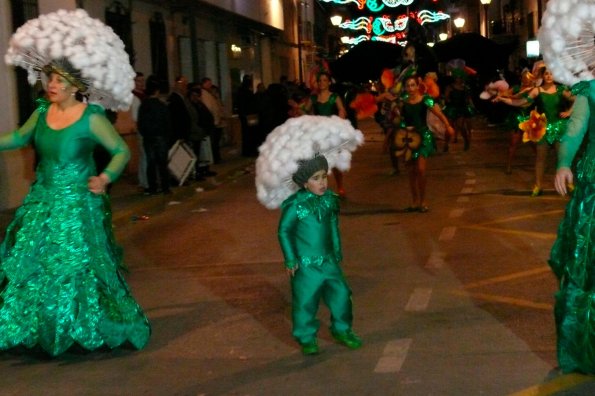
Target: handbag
{"x": 406, "y": 141}
{"x": 205, "y": 155}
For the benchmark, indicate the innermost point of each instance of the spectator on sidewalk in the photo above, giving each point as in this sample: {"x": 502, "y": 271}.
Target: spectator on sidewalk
{"x": 203, "y": 125}
{"x": 179, "y": 109}
{"x": 139, "y": 96}
{"x": 211, "y": 97}
{"x": 154, "y": 125}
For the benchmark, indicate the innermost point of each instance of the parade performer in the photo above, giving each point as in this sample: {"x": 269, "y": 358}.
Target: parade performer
{"x": 519, "y": 116}
{"x": 572, "y": 258}
{"x": 414, "y": 110}
{"x": 459, "y": 108}
{"x": 291, "y": 171}
{"x": 324, "y": 102}
{"x": 554, "y": 101}
{"x": 61, "y": 276}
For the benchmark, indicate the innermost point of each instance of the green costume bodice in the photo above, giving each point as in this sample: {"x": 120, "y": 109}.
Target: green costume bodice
{"x": 69, "y": 151}
{"x": 308, "y": 230}
{"x": 327, "y": 108}
{"x": 415, "y": 114}
{"x": 550, "y": 104}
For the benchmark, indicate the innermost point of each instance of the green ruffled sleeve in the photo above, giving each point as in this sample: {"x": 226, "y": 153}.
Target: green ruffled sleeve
{"x": 286, "y": 231}
{"x": 575, "y": 132}
{"x": 104, "y": 133}
{"x": 22, "y": 136}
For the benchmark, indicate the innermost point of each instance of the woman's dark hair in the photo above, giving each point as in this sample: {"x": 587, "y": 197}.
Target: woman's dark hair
{"x": 154, "y": 84}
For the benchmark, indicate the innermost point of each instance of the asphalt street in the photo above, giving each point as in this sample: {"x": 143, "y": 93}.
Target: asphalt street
{"x": 455, "y": 301}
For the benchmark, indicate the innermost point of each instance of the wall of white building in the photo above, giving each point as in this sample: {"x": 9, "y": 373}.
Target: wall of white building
{"x": 214, "y": 60}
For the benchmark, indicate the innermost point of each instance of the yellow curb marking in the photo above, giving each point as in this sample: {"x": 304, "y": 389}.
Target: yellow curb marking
{"x": 564, "y": 382}
{"x": 523, "y": 217}
{"x": 519, "y": 302}
{"x": 505, "y": 278}
{"x": 531, "y": 234}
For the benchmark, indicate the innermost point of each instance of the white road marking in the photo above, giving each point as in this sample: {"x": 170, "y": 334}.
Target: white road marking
{"x": 419, "y": 300}
{"x": 393, "y": 356}
{"x": 447, "y": 233}
{"x": 462, "y": 199}
{"x": 467, "y": 190}
{"x": 470, "y": 174}
{"x": 470, "y": 181}
{"x": 456, "y": 213}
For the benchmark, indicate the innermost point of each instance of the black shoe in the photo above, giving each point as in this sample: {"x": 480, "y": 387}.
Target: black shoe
{"x": 210, "y": 173}
{"x": 148, "y": 192}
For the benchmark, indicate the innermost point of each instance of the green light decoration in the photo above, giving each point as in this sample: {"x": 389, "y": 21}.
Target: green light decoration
{"x": 373, "y": 5}
{"x": 386, "y": 24}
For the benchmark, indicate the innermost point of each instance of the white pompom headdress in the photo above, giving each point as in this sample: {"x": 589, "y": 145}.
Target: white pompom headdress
{"x": 54, "y": 41}
{"x": 296, "y": 140}
{"x": 566, "y": 39}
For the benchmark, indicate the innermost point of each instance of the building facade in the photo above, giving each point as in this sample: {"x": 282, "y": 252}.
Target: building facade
{"x": 220, "y": 39}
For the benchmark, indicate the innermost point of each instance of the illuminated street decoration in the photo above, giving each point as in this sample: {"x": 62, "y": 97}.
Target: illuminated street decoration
{"x": 397, "y": 38}
{"x": 361, "y": 23}
{"x": 385, "y": 24}
{"x": 373, "y": 5}
{"x": 426, "y": 16}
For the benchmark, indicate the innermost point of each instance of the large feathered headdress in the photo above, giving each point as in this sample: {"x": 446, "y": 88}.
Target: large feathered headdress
{"x": 299, "y": 139}
{"x": 63, "y": 40}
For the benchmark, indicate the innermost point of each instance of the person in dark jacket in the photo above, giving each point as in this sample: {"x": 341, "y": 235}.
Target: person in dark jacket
{"x": 154, "y": 125}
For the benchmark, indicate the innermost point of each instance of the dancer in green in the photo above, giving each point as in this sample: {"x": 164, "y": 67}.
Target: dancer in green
{"x": 572, "y": 254}
{"x": 61, "y": 273}
{"x": 555, "y": 101}
{"x": 309, "y": 237}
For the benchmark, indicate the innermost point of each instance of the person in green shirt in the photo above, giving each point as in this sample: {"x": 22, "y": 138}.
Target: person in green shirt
{"x": 309, "y": 238}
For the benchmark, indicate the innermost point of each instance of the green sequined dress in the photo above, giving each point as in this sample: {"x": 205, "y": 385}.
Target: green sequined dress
{"x": 572, "y": 257}
{"x": 61, "y": 278}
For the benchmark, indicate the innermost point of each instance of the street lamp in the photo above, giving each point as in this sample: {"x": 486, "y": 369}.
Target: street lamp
{"x": 486, "y": 4}
{"x": 459, "y": 22}
{"x": 337, "y": 19}
{"x": 443, "y": 36}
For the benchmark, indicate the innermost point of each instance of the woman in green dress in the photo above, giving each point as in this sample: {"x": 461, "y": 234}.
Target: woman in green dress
{"x": 414, "y": 109}
{"x": 327, "y": 103}
{"x": 572, "y": 256}
{"x": 552, "y": 100}
{"x": 61, "y": 279}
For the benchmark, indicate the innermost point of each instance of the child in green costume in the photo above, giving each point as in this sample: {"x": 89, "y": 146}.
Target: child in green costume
{"x": 311, "y": 244}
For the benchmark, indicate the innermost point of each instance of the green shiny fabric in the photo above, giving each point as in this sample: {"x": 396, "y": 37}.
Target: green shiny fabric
{"x": 518, "y": 114}
{"x": 572, "y": 257}
{"x": 551, "y": 106}
{"x": 327, "y": 108}
{"x": 308, "y": 230}
{"x": 415, "y": 115}
{"x": 61, "y": 273}
{"x": 309, "y": 237}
